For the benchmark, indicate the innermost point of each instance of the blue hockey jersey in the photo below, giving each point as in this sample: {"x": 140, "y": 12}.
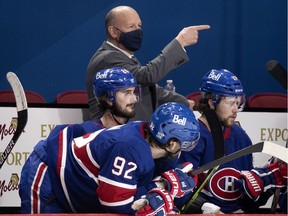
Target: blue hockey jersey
{"x": 103, "y": 171}
{"x": 35, "y": 189}
{"x": 221, "y": 189}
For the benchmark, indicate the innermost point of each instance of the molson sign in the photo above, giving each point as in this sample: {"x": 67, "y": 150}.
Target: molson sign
{"x": 41, "y": 122}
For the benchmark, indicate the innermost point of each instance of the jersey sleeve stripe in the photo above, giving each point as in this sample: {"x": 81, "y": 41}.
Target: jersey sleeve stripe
{"x": 122, "y": 193}
{"x": 63, "y": 139}
{"x": 38, "y": 178}
{"x": 117, "y": 184}
{"x": 87, "y": 163}
{"x": 120, "y": 203}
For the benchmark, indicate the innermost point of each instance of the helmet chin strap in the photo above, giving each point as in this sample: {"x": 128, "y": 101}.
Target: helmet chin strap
{"x": 112, "y": 111}
{"x": 118, "y": 121}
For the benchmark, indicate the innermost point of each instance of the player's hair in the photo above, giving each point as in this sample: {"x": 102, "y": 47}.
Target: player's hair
{"x": 151, "y": 140}
{"x": 154, "y": 142}
{"x": 203, "y": 102}
{"x": 102, "y": 103}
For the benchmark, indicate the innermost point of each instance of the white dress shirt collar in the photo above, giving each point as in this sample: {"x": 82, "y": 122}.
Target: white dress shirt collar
{"x": 125, "y": 52}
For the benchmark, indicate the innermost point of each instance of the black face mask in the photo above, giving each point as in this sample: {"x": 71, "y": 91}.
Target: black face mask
{"x": 132, "y": 40}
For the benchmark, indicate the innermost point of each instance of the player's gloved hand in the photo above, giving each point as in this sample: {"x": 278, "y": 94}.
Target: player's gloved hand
{"x": 259, "y": 180}
{"x": 178, "y": 181}
{"x": 157, "y": 202}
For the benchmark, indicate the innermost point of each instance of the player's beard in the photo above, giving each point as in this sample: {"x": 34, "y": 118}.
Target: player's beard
{"x": 228, "y": 122}
{"x": 124, "y": 113}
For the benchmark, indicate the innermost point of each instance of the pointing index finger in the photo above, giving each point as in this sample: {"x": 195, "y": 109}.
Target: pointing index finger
{"x": 202, "y": 27}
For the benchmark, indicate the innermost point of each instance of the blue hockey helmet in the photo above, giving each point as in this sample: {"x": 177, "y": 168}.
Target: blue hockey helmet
{"x": 174, "y": 120}
{"x": 113, "y": 79}
{"x": 221, "y": 82}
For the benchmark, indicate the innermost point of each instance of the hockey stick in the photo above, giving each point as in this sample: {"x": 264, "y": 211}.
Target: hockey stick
{"x": 187, "y": 208}
{"x": 21, "y": 104}
{"x": 278, "y": 72}
{"x": 263, "y": 147}
{"x": 275, "y": 200}
{"x": 266, "y": 147}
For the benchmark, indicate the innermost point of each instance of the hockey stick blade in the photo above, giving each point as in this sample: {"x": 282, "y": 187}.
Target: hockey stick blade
{"x": 21, "y": 104}
{"x": 263, "y": 147}
{"x": 278, "y": 72}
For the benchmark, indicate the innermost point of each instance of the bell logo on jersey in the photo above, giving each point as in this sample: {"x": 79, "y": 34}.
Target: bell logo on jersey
{"x": 178, "y": 120}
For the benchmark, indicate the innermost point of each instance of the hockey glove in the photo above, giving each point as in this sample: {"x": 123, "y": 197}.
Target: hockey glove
{"x": 157, "y": 202}
{"x": 259, "y": 180}
{"x": 178, "y": 181}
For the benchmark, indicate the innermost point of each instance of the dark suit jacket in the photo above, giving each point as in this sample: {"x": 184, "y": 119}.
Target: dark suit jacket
{"x": 172, "y": 56}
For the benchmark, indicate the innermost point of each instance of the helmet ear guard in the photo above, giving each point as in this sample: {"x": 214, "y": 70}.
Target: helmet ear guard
{"x": 215, "y": 99}
{"x": 111, "y": 96}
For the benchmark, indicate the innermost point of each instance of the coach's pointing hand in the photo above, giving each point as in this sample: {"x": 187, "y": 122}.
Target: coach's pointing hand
{"x": 189, "y": 35}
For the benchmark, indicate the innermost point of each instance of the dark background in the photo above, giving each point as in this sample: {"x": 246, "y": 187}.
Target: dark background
{"x": 48, "y": 43}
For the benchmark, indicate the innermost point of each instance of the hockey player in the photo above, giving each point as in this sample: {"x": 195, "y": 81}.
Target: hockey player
{"x": 228, "y": 188}
{"x": 107, "y": 170}
{"x": 117, "y": 91}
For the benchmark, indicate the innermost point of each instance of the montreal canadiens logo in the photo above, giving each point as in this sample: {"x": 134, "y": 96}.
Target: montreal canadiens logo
{"x": 222, "y": 184}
